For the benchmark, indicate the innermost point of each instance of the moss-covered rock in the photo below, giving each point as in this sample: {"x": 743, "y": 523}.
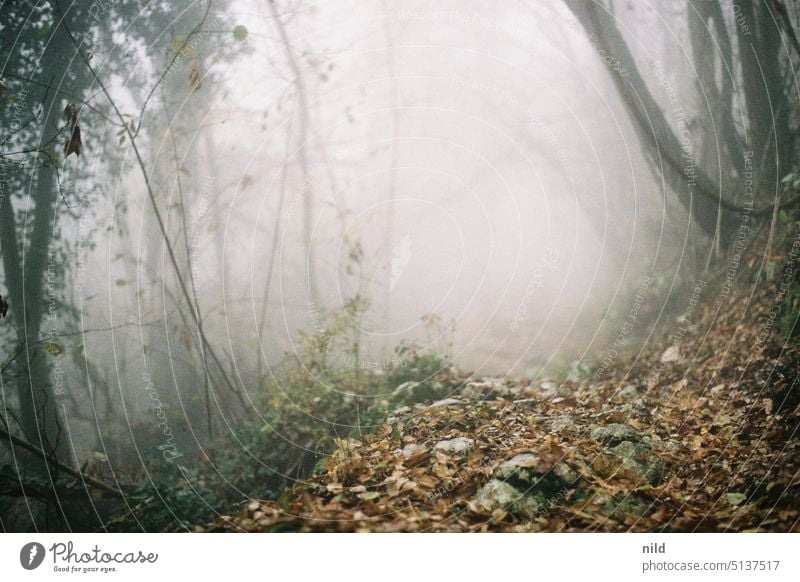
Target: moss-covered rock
{"x": 497, "y": 494}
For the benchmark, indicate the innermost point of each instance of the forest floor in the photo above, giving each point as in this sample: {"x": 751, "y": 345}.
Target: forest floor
{"x": 698, "y": 433}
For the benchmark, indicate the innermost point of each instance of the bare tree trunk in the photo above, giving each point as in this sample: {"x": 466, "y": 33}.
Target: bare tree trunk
{"x": 24, "y": 270}
{"x": 726, "y": 96}
{"x": 707, "y": 96}
{"x": 391, "y": 191}
{"x": 273, "y": 253}
{"x": 768, "y": 108}
{"x": 37, "y": 397}
{"x": 700, "y": 196}
{"x": 302, "y": 153}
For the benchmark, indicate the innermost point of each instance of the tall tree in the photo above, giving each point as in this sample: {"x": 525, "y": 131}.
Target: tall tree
{"x": 767, "y": 103}
{"x": 705, "y": 198}
{"x": 700, "y": 197}
{"x": 38, "y": 66}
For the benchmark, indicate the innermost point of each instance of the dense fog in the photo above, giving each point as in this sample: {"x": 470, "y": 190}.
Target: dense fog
{"x": 503, "y": 195}
{"x": 251, "y": 181}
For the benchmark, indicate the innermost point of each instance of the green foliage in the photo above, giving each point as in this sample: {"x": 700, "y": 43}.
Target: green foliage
{"x": 323, "y": 399}
{"x": 417, "y": 365}
{"x": 791, "y": 179}
{"x": 176, "y": 497}
{"x": 791, "y": 313}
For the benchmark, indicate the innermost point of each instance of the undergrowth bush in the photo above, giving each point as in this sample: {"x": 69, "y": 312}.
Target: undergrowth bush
{"x": 321, "y": 400}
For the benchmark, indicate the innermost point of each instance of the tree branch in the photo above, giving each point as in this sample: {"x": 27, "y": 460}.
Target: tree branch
{"x": 95, "y": 483}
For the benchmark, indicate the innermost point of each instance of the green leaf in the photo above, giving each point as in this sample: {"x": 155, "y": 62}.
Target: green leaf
{"x": 78, "y": 351}
{"x": 52, "y": 348}
{"x": 121, "y": 282}
{"x": 240, "y": 33}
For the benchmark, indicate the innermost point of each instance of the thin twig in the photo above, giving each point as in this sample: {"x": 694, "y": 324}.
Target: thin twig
{"x": 163, "y": 75}
{"x": 68, "y": 334}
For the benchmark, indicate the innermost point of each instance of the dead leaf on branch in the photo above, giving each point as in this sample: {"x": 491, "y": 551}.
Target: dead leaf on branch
{"x": 195, "y": 76}
{"x": 74, "y": 144}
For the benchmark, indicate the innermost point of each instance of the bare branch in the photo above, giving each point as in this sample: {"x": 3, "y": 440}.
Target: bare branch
{"x": 52, "y": 460}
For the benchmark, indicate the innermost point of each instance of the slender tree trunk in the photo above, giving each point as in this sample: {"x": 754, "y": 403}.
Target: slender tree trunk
{"x": 708, "y": 153}
{"x": 726, "y": 97}
{"x": 391, "y": 191}
{"x": 25, "y": 267}
{"x": 701, "y": 197}
{"x": 767, "y": 105}
{"x": 302, "y": 153}
{"x": 37, "y": 396}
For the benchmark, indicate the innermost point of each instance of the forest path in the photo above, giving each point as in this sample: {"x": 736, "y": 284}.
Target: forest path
{"x": 671, "y": 444}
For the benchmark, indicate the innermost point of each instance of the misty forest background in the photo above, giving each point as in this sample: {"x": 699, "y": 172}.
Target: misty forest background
{"x": 283, "y": 264}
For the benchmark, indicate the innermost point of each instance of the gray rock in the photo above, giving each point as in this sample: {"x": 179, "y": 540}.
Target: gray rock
{"x": 498, "y": 494}
{"x": 671, "y": 354}
{"x": 552, "y": 390}
{"x": 474, "y": 391}
{"x": 640, "y": 460}
{"x": 458, "y": 445}
{"x": 561, "y": 423}
{"x": 524, "y": 471}
{"x": 480, "y": 389}
{"x": 548, "y": 387}
{"x": 517, "y": 467}
{"x": 615, "y": 433}
{"x": 566, "y": 473}
{"x": 636, "y": 408}
{"x": 629, "y": 392}
{"x": 489, "y": 388}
